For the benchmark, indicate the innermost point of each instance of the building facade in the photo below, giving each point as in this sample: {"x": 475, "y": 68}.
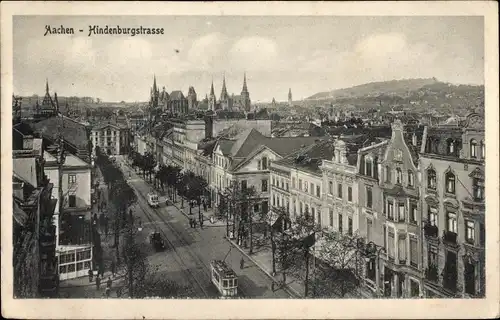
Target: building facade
{"x": 111, "y": 138}
{"x": 452, "y": 169}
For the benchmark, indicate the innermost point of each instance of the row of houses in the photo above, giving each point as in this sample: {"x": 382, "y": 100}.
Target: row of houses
{"x": 56, "y": 152}
{"x": 418, "y": 192}
{"x": 419, "y": 196}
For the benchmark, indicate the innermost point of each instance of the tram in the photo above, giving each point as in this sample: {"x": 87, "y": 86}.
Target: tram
{"x": 224, "y": 278}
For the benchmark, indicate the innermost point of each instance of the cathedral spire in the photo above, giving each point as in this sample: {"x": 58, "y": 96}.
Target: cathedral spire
{"x": 46, "y": 85}
{"x": 154, "y": 83}
{"x": 212, "y": 93}
{"x": 223, "y": 93}
{"x": 245, "y": 82}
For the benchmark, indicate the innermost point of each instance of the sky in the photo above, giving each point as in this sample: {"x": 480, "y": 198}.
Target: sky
{"x": 308, "y": 54}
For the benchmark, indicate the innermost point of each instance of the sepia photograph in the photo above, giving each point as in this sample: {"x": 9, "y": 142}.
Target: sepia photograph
{"x": 224, "y": 158}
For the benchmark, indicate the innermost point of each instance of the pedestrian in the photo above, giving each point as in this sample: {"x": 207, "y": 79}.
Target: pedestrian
{"x": 113, "y": 268}
{"x": 109, "y": 282}
{"x": 242, "y": 263}
{"x": 194, "y": 223}
{"x": 272, "y": 286}
{"x": 204, "y": 206}
{"x": 108, "y": 292}
{"x": 212, "y": 220}
{"x": 201, "y": 221}
{"x": 91, "y": 275}
{"x": 190, "y": 222}
{"x": 98, "y": 282}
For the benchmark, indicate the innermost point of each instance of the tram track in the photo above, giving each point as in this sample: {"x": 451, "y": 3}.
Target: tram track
{"x": 142, "y": 203}
{"x": 205, "y": 270}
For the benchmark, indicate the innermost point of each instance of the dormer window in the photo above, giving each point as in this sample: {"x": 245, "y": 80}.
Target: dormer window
{"x": 399, "y": 176}
{"x": 450, "y": 182}
{"x": 450, "y": 146}
{"x": 473, "y": 147}
{"x": 264, "y": 163}
{"x": 431, "y": 179}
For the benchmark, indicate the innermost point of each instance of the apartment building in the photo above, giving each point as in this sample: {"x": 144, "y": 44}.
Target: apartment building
{"x": 452, "y": 162}
{"x": 111, "y": 138}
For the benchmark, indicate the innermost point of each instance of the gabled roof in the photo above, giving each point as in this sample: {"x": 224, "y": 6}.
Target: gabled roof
{"x": 246, "y": 142}
{"x": 75, "y": 133}
{"x": 310, "y": 157}
{"x": 286, "y": 145}
{"x": 176, "y": 95}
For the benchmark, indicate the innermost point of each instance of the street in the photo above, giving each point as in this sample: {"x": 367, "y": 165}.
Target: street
{"x": 188, "y": 251}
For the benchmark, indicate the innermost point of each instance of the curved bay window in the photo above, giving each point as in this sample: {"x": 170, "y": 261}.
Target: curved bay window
{"x": 450, "y": 182}
{"x": 473, "y": 148}
{"x": 431, "y": 179}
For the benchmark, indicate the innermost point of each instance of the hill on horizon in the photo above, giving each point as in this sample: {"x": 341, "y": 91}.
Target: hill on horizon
{"x": 401, "y": 88}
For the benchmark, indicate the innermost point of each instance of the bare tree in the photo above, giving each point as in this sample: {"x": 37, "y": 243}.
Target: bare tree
{"x": 340, "y": 269}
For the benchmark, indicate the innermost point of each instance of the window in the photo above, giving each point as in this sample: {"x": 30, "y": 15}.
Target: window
{"x": 274, "y": 181}
{"x": 413, "y": 213}
{"x": 340, "y": 223}
{"x": 286, "y": 184}
{"x": 306, "y": 210}
{"x": 319, "y": 217}
{"x": 349, "y": 226}
{"x": 432, "y": 256}
{"x": 470, "y": 278}
{"x": 330, "y": 187}
{"x": 478, "y": 189}
{"x": 368, "y": 167}
{"x": 391, "y": 244}
{"x": 473, "y": 148}
{"x": 293, "y": 183}
{"x": 413, "y": 251}
{"x": 450, "y": 144}
{"x": 369, "y": 226}
{"x": 433, "y": 213}
{"x": 71, "y": 179}
{"x": 411, "y": 177}
{"x": 390, "y": 210}
{"x": 399, "y": 176}
{"x": 451, "y": 222}
{"x": 385, "y": 237}
{"x": 264, "y": 163}
{"x": 349, "y": 194}
{"x": 243, "y": 185}
{"x": 402, "y": 249}
{"x": 401, "y": 212}
{"x": 318, "y": 191}
{"x": 259, "y": 165}
{"x": 369, "y": 197}
{"x": 431, "y": 179}
{"x": 330, "y": 213}
{"x": 300, "y": 184}
{"x": 339, "y": 190}
{"x": 265, "y": 207}
{"x": 72, "y": 201}
{"x": 387, "y": 174}
{"x": 256, "y": 207}
{"x": 306, "y": 187}
{"x": 312, "y": 188}
{"x": 450, "y": 182}
{"x": 469, "y": 231}
{"x": 264, "y": 185}
{"x": 282, "y": 184}
{"x": 483, "y": 150}
{"x": 414, "y": 289}
{"x": 274, "y": 200}
{"x": 313, "y": 212}
{"x": 301, "y": 208}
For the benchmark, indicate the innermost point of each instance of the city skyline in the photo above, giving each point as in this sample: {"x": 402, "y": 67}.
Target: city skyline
{"x": 309, "y": 52}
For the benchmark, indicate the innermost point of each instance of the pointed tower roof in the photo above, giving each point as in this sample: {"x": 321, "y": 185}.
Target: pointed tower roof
{"x": 46, "y": 85}
{"x": 154, "y": 83}
{"x": 245, "y": 82}
{"x": 212, "y": 93}
{"x": 47, "y": 102}
{"x": 223, "y": 93}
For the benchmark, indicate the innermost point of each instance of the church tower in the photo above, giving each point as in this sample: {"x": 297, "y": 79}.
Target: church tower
{"x": 290, "y": 97}
{"x": 224, "y": 97}
{"x": 245, "y": 95}
{"x": 211, "y": 98}
{"x": 192, "y": 100}
{"x": 155, "y": 94}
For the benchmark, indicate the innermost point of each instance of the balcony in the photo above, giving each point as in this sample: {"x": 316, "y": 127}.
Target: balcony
{"x": 450, "y": 237}
{"x": 430, "y": 231}
{"x": 431, "y": 273}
